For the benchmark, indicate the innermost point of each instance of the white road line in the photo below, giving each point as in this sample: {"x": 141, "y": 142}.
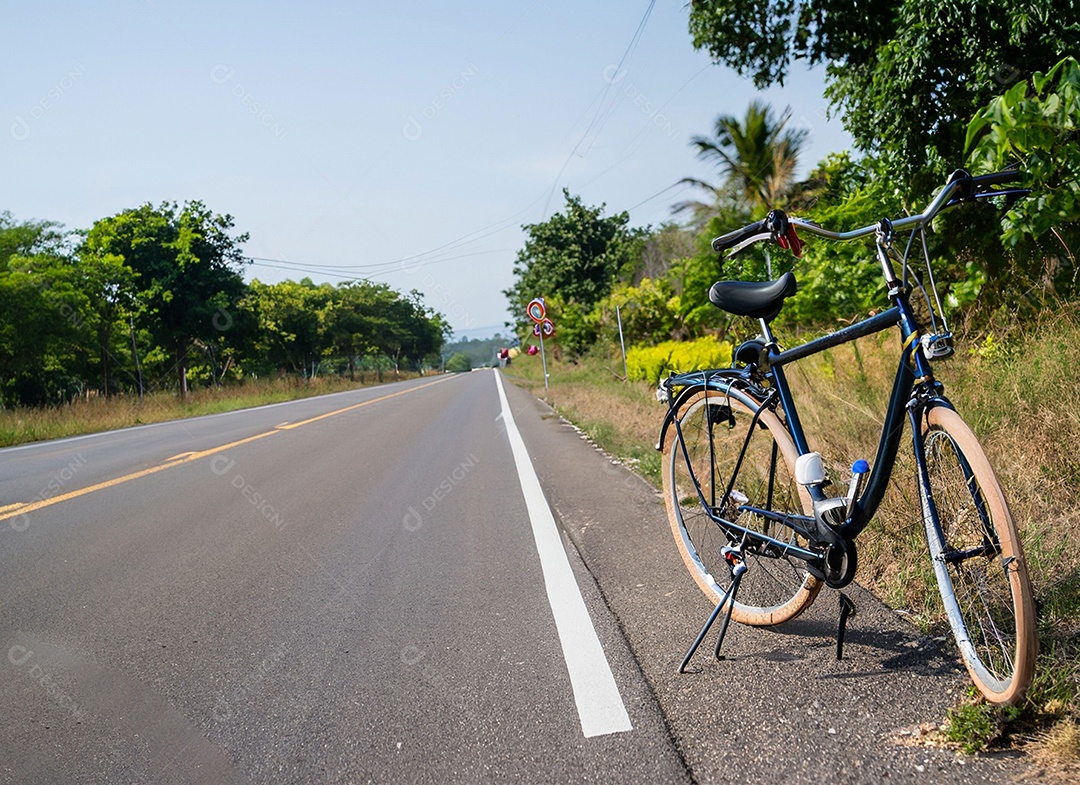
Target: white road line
{"x": 599, "y": 705}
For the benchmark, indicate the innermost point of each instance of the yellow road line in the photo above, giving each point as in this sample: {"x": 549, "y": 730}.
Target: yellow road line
{"x": 13, "y": 510}
{"x": 292, "y": 425}
{"x": 126, "y": 478}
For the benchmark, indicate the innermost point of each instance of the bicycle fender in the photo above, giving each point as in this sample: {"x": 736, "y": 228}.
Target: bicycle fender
{"x": 721, "y": 381}
{"x": 936, "y": 402}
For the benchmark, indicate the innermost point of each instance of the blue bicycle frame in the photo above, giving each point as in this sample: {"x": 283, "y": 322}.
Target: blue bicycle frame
{"x": 914, "y": 390}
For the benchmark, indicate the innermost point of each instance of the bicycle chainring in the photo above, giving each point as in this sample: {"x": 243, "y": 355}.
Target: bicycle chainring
{"x": 837, "y": 565}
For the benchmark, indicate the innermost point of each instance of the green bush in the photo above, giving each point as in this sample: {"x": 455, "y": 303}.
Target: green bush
{"x": 649, "y": 311}
{"x": 1035, "y": 125}
{"x": 651, "y": 363}
{"x": 458, "y": 362}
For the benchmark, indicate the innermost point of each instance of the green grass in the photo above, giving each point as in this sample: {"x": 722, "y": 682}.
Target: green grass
{"x": 621, "y": 417}
{"x": 975, "y": 726}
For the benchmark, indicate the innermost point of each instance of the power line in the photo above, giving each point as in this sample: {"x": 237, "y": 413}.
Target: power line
{"x": 627, "y": 54}
{"x": 438, "y": 254}
{"x": 344, "y": 272}
{"x": 603, "y": 97}
{"x": 684, "y": 186}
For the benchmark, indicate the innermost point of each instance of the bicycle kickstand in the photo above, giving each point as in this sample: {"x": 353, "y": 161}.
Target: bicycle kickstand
{"x": 847, "y": 609}
{"x": 732, "y": 554}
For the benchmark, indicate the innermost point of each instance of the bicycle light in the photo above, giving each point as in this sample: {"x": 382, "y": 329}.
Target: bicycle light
{"x": 809, "y": 470}
{"x": 936, "y": 347}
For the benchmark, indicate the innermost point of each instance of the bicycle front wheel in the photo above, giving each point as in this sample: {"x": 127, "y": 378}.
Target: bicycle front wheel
{"x": 978, "y": 560}
{"x": 706, "y": 473}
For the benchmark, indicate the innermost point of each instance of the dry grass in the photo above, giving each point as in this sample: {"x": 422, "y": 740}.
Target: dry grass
{"x": 1059, "y": 746}
{"x": 90, "y": 415}
{"x": 622, "y": 417}
{"x": 1020, "y": 393}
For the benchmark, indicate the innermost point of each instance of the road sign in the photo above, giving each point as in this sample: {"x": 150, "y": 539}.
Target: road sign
{"x": 536, "y": 310}
{"x": 543, "y": 328}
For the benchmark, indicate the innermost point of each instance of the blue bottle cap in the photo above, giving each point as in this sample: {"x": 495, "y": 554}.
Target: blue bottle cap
{"x": 860, "y": 467}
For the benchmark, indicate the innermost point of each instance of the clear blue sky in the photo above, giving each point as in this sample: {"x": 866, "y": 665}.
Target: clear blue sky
{"x": 405, "y": 142}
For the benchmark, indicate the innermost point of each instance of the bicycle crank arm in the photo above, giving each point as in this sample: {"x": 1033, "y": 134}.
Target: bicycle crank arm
{"x": 836, "y": 566}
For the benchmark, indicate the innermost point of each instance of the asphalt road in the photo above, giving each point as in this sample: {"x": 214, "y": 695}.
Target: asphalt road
{"x": 356, "y": 588}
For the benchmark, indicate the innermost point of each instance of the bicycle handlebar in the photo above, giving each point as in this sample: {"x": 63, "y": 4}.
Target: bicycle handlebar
{"x": 733, "y": 238}
{"x": 997, "y": 178}
{"x": 961, "y": 187}
{"x": 775, "y": 225}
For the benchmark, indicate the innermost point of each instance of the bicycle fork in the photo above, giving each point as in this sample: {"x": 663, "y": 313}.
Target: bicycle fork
{"x": 941, "y": 554}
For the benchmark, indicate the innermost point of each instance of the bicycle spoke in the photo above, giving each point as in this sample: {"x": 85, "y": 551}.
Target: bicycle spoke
{"x": 981, "y": 572}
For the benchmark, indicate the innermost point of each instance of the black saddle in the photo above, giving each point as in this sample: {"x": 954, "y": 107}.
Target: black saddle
{"x": 759, "y": 299}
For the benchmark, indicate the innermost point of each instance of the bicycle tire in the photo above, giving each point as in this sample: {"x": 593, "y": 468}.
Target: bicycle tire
{"x": 775, "y": 588}
{"x": 985, "y": 587}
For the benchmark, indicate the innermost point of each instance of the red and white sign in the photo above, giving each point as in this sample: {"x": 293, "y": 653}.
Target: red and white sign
{"x": 536, "y": 310}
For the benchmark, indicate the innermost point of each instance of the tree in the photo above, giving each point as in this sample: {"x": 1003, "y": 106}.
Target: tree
{"x": 353, "y": 320}
{"x": 661, "y": 248}
{"x": 575, "y": 256}
{"x": 107, "y": 284}
{"x": 290, "y": 318}
{"x": 1035, "y": 126}
{"x": 756, "y": 159}
{"x": 27, "y": 238}
{"x": 187, "y": 267}
{"x": 42, "y": 327}
{"x": 301, "y": 323}
{"x": 905, "y": 76}
{"x": 40, "y": 337}
{"x": 838, "y": 281}
{"x": 409, "y": 331}
{"x": 458, "y": 362}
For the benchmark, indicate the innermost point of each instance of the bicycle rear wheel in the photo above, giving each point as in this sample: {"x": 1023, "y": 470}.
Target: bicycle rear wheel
{"x": 702, "y": 453}
{"x": 978, "y": 560}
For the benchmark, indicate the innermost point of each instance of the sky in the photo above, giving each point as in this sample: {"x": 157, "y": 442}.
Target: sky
{"x": 406, "y": 143}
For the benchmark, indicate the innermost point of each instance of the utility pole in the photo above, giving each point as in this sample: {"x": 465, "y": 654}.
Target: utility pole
{"x": 135, "y": 351}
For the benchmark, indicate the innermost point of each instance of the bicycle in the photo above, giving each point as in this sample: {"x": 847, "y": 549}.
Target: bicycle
{"x": 749, "y": 502}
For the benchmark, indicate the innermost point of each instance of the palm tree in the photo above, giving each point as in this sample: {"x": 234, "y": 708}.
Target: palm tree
{"x": 756, "y": 159}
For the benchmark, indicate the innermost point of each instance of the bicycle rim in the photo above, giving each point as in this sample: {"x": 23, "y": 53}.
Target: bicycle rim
{"x": 713, "y": 426}
{"x": 979, "y": 562}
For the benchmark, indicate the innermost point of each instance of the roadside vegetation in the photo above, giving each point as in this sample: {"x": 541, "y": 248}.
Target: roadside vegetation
{"x": 1006, "y": 273}
{"x": 152, "y": 301}
{"x": 22, "y": 424}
